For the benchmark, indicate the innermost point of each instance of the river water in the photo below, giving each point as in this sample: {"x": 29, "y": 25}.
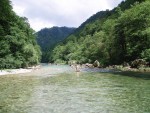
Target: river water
{"x": 58, "y": 89}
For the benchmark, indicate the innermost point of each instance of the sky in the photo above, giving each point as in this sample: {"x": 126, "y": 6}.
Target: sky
{"x": 70, "y": 13}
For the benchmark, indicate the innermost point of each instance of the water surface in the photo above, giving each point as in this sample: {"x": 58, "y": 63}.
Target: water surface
{"x": 58, "y": 89}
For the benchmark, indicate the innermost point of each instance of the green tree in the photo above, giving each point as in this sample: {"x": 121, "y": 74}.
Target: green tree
{"x": 132, "y": 32}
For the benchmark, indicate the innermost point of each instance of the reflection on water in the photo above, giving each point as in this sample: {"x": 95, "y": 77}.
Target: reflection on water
{"x": 73, "y": 92}
{"x": 98, "y": 70}
{"x": 78, "y": 74}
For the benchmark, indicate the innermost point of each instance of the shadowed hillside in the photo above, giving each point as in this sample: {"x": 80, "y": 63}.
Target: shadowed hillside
{"x": 47, "y": 38}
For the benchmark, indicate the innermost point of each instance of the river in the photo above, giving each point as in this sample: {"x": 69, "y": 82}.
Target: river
{"x": 58, "y": 89}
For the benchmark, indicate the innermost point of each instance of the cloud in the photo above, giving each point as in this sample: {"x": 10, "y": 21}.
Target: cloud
{"x": 48, "y": 13}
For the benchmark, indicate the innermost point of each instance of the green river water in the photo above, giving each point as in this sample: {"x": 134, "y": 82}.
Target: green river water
{"x": 58, "y": 89}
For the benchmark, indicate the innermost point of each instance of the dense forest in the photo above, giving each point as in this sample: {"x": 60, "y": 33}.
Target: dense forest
{"x": 18, "y": 46}
{"x": 47, "y": 38}
{"x": 111, "y": 37}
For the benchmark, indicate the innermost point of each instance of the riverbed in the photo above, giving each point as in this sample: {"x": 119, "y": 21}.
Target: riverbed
{"x": 59, "y": 89}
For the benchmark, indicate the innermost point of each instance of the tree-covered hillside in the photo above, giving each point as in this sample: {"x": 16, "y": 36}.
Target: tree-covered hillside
{"x": 18, "y": 46}
{"x": 47, "y": 38}
{"x": 121, "y": 35}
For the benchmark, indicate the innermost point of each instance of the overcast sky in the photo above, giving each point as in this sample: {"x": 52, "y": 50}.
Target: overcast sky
{"x": 70, "y": 13}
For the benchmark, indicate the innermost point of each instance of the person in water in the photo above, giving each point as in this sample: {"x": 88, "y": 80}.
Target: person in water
{"x": 76, "y": 67}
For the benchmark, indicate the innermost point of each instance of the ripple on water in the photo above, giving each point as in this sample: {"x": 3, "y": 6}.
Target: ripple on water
{"x": 103, "y": 70}
{"x": 72, "y": 92}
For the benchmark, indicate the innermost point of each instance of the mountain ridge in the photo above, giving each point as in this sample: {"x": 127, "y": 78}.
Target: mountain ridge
{"x": 47, "y": 38}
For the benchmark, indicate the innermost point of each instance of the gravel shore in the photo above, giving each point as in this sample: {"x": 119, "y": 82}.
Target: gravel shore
{"x": 14, "y": 71}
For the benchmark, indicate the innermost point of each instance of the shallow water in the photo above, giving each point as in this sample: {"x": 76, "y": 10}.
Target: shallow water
{"x": 58, "y": 89}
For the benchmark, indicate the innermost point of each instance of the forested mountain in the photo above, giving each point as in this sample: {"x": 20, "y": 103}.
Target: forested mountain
{"x": 99, "y": 15}
{"x": 18, "y": 46}
{"x": 47, "y": 38}
{"x": 120, "y": 35}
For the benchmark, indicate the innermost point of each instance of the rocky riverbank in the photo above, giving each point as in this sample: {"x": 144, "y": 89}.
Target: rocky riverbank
{"x": 128, "y": 68}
